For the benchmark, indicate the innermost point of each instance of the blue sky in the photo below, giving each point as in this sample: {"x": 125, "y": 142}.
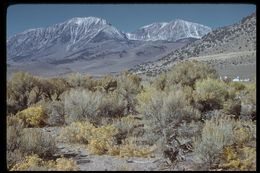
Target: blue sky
{"x": 126, "y": 17}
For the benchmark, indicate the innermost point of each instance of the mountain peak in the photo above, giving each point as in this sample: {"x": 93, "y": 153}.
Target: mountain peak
{"x": 86, "y": 20}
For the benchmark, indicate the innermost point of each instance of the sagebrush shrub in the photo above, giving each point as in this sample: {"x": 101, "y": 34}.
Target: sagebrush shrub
{"x": 216, "y": 133}
{"x": 13, "y": 142}
{"x": 160, "y": 82}
{"x": 211, "y": 94}
{"x": 77, "y": 80}
{"x": 55, "y": 111}
{"x": 19, "y": 88}
{"x": 232, "y": 106}
{"x": 111, "y": 105}
{"x": 162, "y": 110}
{"x": 108, "y": 83}
{"x": 81, "y": 104}
{"x": 13, "y": 137}
{"x": 177, "y": 107}
{"x": 35, "y": 141}
{"x": 129, "y": 86}
{"x": 248, "y": 102}
{"x": 222, "y": 131}
{"x": 188, "y": 72}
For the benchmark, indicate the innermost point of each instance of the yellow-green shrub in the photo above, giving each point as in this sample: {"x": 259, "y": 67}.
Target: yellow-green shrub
{"x": 35, "y": 163}
{"x": 77, "y": 132}
{"x": 241, "y": 159}
{"x": 145, "y": 95}
{"x": 64, "y": 164}
{"x": 188, "y": 72}
{"x": 238, "y": 86}
{"x": 129, "y": 148}
{"x": 33, "y": 117}
{"x": 160, "y": 82}
{"x": 102, "y": 139}
{"x": 18, "y": 91}
{"x": 210, "y": 93}
{"x": 99, "y": 139}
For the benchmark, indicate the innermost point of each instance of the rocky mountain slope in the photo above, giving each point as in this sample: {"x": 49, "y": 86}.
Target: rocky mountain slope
{"x": 239, "y": 37}
{"x": 91, "y": 45}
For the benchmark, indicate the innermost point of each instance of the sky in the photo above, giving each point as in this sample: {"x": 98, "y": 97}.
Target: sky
{"x": 125, "y": 17}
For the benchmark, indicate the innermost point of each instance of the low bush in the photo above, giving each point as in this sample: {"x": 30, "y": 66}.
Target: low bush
{"x": 239, "y": 159}
{"x": 81, "y": 105}
{"x": 210, "y": 94}
{"x": 55, "y": 111}
{"x": 77, "y": 80}
{"x": 216, "y": 133}
{"x": 161, "y": 110}
{"x": 102, "y": 139}
{"x": 129, "y": 148}
{"x": 238, "y": 86}
{"x": 35, "y": 141}
{"x": 232, "y": 107}
{"x": 129, "y": 86}
{"x": 77, "y": 132}
{"x": 35, "y": 163}
{"x": 13, "y": 140}
{"x": 248, "y": 102}
{"x": 19, "y": 88}
{"x": 32, "y": 117}
{"x": 219, "y": 132}
{"x": 111, "y": 105}
{"x": 108, "y": 83}
{"x": 188, "y": 72}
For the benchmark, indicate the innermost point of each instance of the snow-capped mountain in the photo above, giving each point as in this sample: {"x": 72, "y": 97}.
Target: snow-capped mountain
{"x": 70, "y": 35}
{"x": 172, "y": 31}
{"x": 93, "y": 45}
